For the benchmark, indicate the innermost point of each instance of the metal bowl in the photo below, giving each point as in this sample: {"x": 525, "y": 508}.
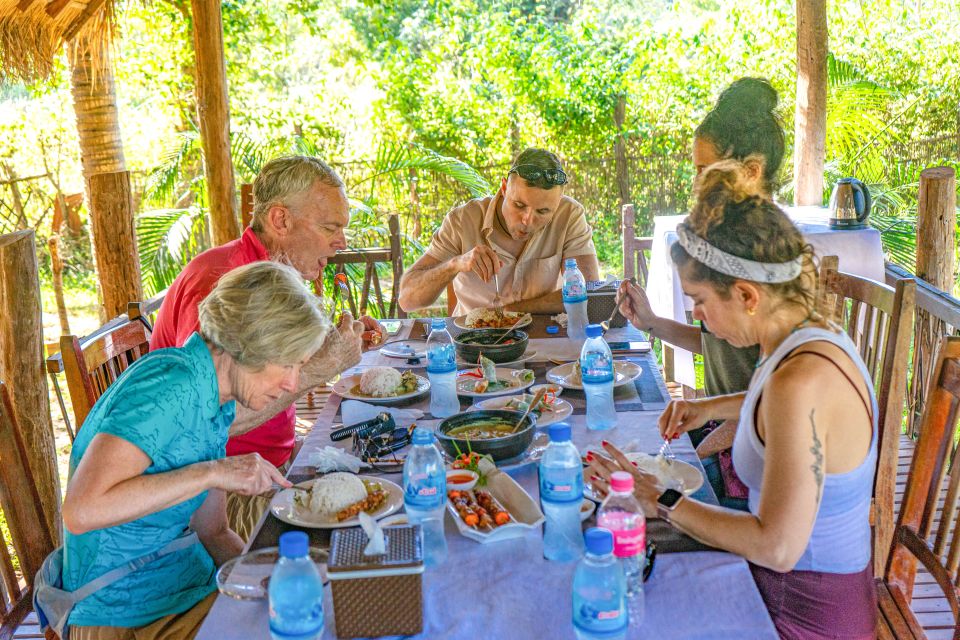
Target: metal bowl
{"x": 471, "y": 343}
{"x": 502, "y": 448}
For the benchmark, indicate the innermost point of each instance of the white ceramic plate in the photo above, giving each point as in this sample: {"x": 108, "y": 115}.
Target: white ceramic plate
{"x": 681, "y": 471}
{"x": 587, "y": 507}
{"x": 283, "y": 507}
{"x": 465, "y": 384}
{"x": 405, "y": 349}
{"x": 529, "y": 355}
{"x": 348, "y": 388}
{"x": 561, "y": 408}
{"x": 246, "y": 577}
{"x": 461, "y": 321}
{"x": 624, "y": 372}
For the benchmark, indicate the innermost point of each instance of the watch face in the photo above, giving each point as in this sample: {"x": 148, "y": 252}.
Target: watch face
{"x": 669, "y": 498}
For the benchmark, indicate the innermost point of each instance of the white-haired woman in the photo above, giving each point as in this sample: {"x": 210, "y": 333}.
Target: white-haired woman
{"x": 808, "y": 455}
{"x": 149, "y": 464}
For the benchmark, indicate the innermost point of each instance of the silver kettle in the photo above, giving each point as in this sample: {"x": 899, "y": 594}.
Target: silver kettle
{"x": 849, "y": 204}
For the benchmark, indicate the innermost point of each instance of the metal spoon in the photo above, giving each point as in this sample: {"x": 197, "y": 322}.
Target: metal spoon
{"x": 510, "y": 330}
{"x": 605, "y": 325}
{"x": 537, "y": 397}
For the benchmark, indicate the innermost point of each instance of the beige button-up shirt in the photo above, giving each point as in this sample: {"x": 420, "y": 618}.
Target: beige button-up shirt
{"x": 535, "y": 272}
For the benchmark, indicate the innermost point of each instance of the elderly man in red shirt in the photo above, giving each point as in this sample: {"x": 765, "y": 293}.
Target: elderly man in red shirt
{"x": 300, "y": 211}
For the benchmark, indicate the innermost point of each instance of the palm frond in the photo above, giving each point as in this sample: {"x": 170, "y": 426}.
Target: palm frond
{"x": 392, "y": 159}
{"x": 167, "y": 240}
{"x": 248, "y": 155}
{"x": 164, "y": 180}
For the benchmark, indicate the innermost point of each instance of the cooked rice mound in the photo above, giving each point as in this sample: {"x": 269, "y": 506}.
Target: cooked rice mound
{"x": 335, "y": 492}
{"x": 380, "y": 382}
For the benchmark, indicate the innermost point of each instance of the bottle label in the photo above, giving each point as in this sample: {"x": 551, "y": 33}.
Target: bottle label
{"x": 630, "y": 542}
{"x": 441, "y": 359}
{"x": 574, "y": 292}
{"x": 561, "y": 485}
{"x": 596, "y": 367}
{"x": 595, "y": 617}
{"x": 423, "y": 491}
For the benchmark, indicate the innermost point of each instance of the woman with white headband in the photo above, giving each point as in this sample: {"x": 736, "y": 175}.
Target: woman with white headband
{"x": 806, "y": 444}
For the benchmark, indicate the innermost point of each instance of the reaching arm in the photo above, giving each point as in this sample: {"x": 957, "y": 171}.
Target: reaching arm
{"x": 340, "y": 351}
{"x": 422, "y": 284}
{"x": 109, "y": 486}
{"x": 552, "y": 302}
{"x": 635, "y": 306}
{"x": 210, "y": 523}
{"x": 681, "y": 416}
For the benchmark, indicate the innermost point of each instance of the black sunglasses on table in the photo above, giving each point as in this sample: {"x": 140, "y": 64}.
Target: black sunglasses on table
{"x": 532, "y": 173}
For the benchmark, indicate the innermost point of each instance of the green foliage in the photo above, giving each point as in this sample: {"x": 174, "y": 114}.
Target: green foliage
{"x": 168, "y": 239}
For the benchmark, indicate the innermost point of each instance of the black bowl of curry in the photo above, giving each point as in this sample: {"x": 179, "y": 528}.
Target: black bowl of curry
{"x": 472, "y": 342}
{"x": 487, "y": 432}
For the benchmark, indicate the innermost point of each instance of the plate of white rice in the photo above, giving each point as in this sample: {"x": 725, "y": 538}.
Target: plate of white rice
{"x": 381, "y": 385}
{"x": 315, "y": 503}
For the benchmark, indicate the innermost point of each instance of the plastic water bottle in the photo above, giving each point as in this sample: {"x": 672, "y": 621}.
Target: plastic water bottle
{"x": 599, "y": 591}
{"x": 425, "y": 494}
{"x": 574, "y": 299}
{"x": 596, "y": 369}
{"x": 622, "y": 514}
{"x": 295, "y": 591}
{"x": 442, "y": 371}
{"x": 561, "y": 492}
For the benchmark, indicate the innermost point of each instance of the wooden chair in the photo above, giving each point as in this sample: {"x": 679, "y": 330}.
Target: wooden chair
{"x": 635, "y": 249}
{"x": 29, "y": 536}
{"x": 370, "y": 256}
{"x": 933, "y": 478}
{"x": 879, "y": 319}
{"x": 93, "y": 364}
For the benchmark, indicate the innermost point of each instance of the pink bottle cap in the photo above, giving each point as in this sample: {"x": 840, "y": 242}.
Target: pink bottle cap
{"x": 621, "y": 481}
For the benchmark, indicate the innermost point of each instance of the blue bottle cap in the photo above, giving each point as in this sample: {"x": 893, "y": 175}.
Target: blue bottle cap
{"x": 422, "y": 435}
{"x": 570, "y": 263}
{"x": 294, "y": 544}
{"x": 552, "y": 329}
{"x": 594, "y": 331}
{"x": 438, "y": 323}
{"x": 559, "y": 432}
{"x": 599, "y": 541}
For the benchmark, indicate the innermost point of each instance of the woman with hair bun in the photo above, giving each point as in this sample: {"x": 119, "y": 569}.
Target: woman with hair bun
{"x": 742, "y": 126}
{"x": 808, "y": 457}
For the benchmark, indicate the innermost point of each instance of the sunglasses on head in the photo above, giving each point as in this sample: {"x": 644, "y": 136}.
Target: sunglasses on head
{"x": 532, "y": 173}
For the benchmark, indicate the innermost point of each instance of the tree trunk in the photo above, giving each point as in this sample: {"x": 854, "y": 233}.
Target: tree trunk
{"x": 620, "y": 151}
{"x": 213, "y": 112}
{"x": 22, "y": 365}
{"x": 810, "y": 129}
{"x": 56, "y": 266}
{"x": 107, "y": 181}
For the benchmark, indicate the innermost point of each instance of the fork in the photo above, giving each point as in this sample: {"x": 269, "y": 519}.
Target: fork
{"x": 497, "y": 307}
{"x": 667, "y": 452}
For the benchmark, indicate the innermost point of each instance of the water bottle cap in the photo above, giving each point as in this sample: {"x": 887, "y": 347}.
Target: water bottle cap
{"x": 422, "y": 435}
{"x": 559, "y": 432}
{"x": 294, "y": 544}
{"x": 599, "y": 541}
{"x": 438, "y": 323}
{"x": 594, "y": 331}
{"x": 621, "y": 482}
{"x": 570, "y": 263}
{"x": 552, "y": 329}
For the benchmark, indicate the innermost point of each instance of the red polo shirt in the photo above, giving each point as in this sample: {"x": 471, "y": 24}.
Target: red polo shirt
{"x": 179, "y": 318}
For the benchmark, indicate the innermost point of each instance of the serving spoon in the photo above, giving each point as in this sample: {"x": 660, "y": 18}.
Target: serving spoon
{"x": 537, "y": 397}
{"x": 510, "y": 330}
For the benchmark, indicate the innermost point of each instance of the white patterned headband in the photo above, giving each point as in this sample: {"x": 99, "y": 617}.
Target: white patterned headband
{"x": 735, "y": 266}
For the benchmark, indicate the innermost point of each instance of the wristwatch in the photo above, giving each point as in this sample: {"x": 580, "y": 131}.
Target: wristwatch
{"x": 667, "y": 502}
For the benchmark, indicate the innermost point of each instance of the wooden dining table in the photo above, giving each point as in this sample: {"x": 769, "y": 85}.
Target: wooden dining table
{"x": 507, "y": 589}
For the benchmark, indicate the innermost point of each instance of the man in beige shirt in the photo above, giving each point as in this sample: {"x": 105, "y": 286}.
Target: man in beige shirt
{"x": 518, "y": 238}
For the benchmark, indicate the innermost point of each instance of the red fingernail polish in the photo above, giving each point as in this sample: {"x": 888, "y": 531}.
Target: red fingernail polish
{"x": 594, "y": 477}
{"x": 589, "y": 456}
{"x": 635, "y": 464}
{"x": 604, "y": 442}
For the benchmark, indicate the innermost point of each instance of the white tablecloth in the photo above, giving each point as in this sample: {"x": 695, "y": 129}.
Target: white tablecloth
{"x": 860, "y": 252}
{"x": 507, "y": 590}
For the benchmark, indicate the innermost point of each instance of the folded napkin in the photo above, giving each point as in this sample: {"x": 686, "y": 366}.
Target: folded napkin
{"x": 376, "y": 546}
{"x": 354, "y": 411}
{"x": 333, "y": 459}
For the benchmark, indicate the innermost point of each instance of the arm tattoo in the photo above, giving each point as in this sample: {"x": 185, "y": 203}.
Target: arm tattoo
{"x": 816, "y": 450}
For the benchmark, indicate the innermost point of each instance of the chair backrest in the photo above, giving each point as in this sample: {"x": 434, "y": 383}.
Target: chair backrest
{"x": 878, "y": 318}
{"x": 369, "y": 257}
{"x": 93, "y": 364}
{"x": 246, "y": 205}
{"x": 635, "y": 249}
{"x": 933, "y": 477}
{"x": 29, "y": 536}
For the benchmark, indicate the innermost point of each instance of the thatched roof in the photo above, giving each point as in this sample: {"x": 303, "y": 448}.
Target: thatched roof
{"x": 33, "y": 33}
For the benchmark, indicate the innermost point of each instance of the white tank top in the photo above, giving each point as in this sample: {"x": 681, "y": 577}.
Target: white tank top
{"x": 840, "y": 540}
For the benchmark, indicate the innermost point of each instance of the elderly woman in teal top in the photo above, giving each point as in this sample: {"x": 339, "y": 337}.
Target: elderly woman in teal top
{"x": 149, "y": 461}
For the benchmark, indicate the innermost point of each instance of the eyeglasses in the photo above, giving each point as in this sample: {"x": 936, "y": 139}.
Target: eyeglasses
{"x": 532, "y": 173}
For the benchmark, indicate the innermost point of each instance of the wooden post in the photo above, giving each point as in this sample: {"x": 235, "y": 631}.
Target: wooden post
{"x": 810, "y": 129}
{"x": 107, "y": 180}
{"x": 620, "y": 151}
{"x": 936, "y": 221}
{"x": 21, "y": 365}
{"x": 56, "y": 267}
{"x": 213, "y": 111}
